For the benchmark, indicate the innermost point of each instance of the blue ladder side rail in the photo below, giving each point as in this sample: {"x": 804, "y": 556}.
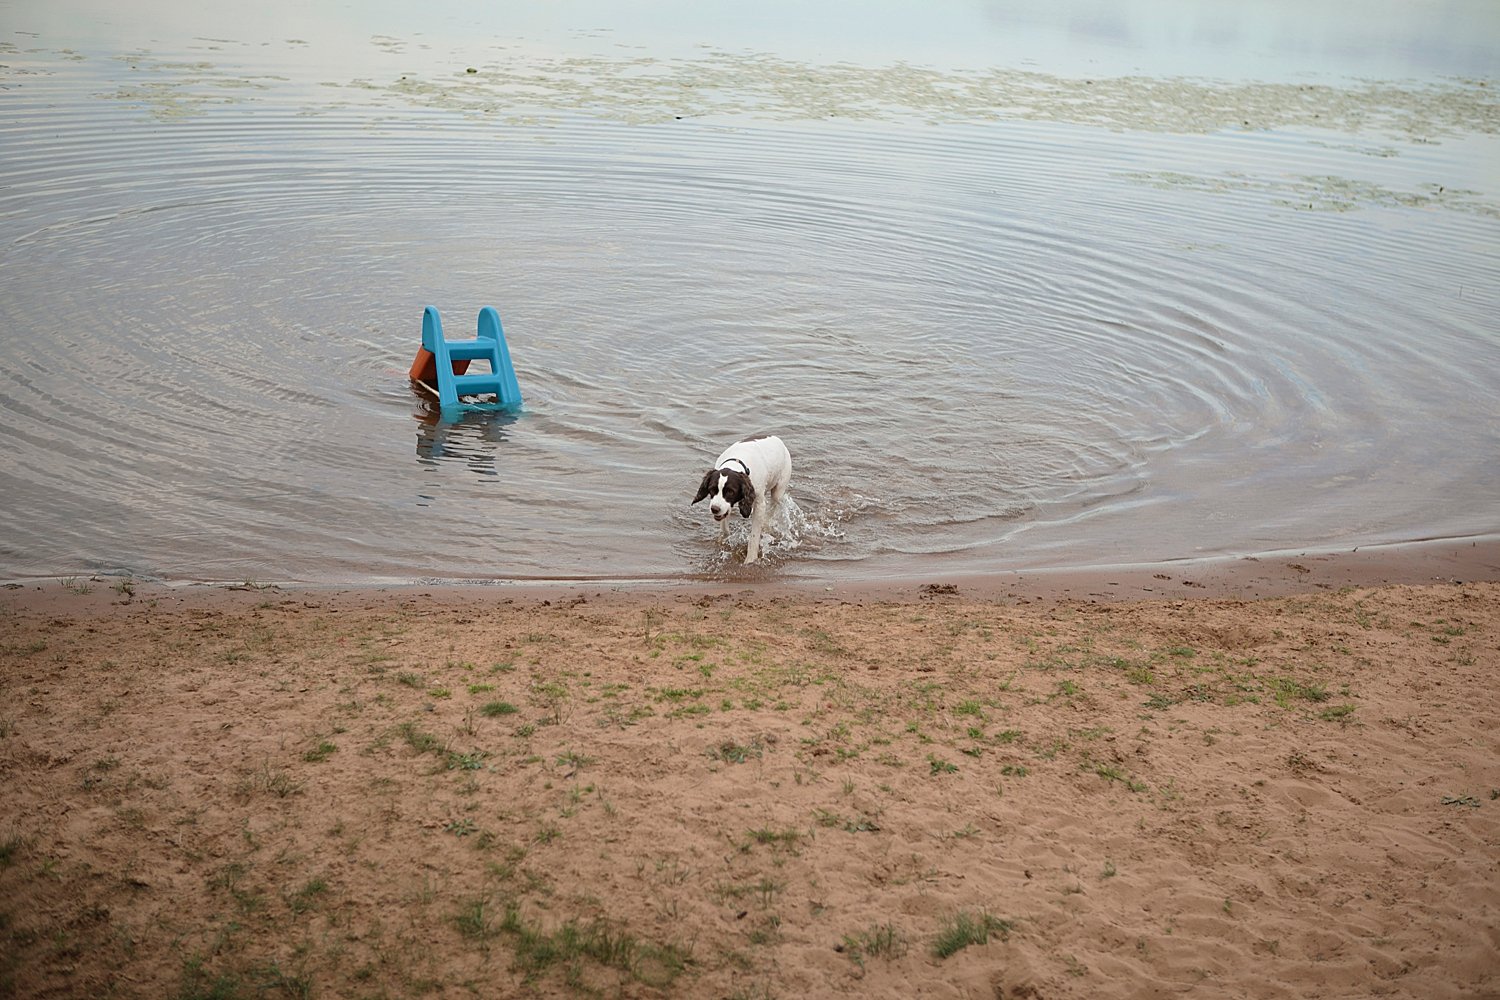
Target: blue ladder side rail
{"x": 488, "y": 346}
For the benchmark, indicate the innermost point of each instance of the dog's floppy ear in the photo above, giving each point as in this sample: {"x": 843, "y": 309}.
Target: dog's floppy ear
{"x": 747, "y": 497}
{"x": 707, "y": 486}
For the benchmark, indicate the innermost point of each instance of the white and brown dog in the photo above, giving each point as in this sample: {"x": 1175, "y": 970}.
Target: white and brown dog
{"x": 752, "y": 475}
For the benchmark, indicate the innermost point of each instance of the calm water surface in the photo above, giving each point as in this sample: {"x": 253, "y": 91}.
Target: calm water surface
{"x": 1021, "y": 285}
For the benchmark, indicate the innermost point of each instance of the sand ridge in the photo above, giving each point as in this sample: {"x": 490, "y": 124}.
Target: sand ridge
{"x": 745, "y": 794}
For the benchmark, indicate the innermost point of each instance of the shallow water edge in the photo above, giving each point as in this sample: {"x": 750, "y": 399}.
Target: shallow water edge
{"x": 1429, "y": 562}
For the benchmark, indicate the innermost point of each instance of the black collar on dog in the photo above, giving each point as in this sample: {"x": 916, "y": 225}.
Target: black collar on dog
{"x": 741, "y": 461}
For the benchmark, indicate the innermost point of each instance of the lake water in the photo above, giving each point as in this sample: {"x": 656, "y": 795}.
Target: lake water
{"x": 1022, "y": 285}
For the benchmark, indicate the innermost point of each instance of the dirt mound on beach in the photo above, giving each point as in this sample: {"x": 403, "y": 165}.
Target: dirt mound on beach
{"x": 265, "y": 793}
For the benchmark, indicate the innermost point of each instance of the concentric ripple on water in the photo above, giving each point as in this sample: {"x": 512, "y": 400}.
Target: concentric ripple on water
{"x": 992, "y": 342}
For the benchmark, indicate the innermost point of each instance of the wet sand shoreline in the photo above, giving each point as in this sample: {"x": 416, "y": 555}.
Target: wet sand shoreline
{"x": 1271, "y": 574}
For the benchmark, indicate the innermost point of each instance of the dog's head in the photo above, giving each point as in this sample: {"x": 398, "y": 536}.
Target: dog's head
{"x": 729, "y": 489}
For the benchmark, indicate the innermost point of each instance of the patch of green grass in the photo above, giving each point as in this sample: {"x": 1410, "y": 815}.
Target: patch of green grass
{"x": 423, "y": 742}
{"x": 1135, "y": 673}
{"x": 679, "y": 694}
{"x": 229, "y": 876}
{"x": 788, "y": 838}
{"x": 307, "y": 896}
{"x": 574, "y": 759}
{"x": 758, "y": 991}
{"x": 1337, "y": 713}
{"x": 420, "y": 740}
{"x": 261, "y": 980}
{"x": 199, "y": 984}
{"x": 474, "y": 920}
{"x": 859, "y": 823}
{"x": 1111, "y": 773}
{"x": 554, "y": 696}
{"x": 10, "y": 846}
{"x": 320, "y": 753}
{"x": 1286, "y": 690}
{"x": 537, "y": 951}
{"x": 939, "y": 766}
{"x": 964, "y": 929}
{"x": 276, "y": 781}
{"x": 880, "y": 941}
{"x": 763, "y": 892}
{"x": 410, "y": 679}
{"x": 472, "y": 761}
{"x": 731, "y": 752}
{"x": 492, "y": 709}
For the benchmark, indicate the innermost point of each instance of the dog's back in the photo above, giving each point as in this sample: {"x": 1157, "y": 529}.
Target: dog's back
{"x": 765, "y": 453}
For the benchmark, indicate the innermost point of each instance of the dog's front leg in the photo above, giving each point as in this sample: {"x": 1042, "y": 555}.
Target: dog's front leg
{"x": 752, "y": 548}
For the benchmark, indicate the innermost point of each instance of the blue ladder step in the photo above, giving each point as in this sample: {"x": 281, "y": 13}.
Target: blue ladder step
{"x": 474, "y": 385}
{"x": 470, "y": 349}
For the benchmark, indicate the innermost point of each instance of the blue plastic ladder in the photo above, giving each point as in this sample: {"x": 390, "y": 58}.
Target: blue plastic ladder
{"x": 489, "y": 346}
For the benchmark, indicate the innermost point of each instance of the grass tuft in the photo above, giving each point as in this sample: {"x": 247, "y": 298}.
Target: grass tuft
{"x": 320, "y": 753}
{"x": 881, "y": 941}
{"x": 731, "y": 752}
{"x": 10, "y": 846}
{"x": 537, "y": 951}
{"x": 964, "y": 929}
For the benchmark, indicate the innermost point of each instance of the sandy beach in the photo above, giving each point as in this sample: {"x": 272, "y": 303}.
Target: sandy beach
{"x": 1041, "y": 788}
